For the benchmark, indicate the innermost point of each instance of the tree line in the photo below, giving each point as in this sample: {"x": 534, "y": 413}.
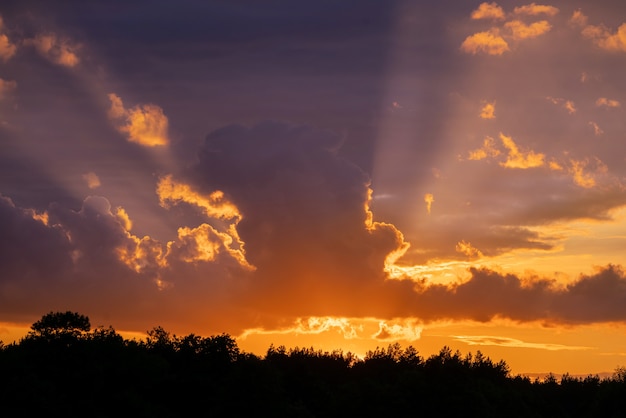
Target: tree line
{"x": 64, "y": 368}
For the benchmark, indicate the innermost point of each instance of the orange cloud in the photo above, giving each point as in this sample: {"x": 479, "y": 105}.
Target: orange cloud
{"x": 488, "y": 111}
{"x": 407, "y": 330}
{"x": 429, "y": 199}
{"x": 58, "y": 51}
{"x": 536, "y": 9}
{"x": 520, "y": 30}
{"x": 488, "y": 11}
{"x": 7, "y": 49}
{"x": 566, "y": 104}
{"x": 92, "y": 180}
{"x": 201, "y": 242}
{"x": 606, "y": 40}
{"x": 468, "y": 250}
{"x": 607, "y": 103}
{"x": 145, "y": 125}
{"x": 489, "y": 42}
{"x": 512, "y": 342}
{"x": 596, "y": 129}
{"x": 488, "y": 150}
{"x": 215, "y": 205}
{"x": 578, "y": 18}
{"x": 123, "y": 218}
{"x": 582, "y": 177}
{"x": 518, "y": 159}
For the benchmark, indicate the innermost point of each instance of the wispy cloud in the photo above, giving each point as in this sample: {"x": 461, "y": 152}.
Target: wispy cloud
{"x": 488, "y": 340}
{"x": 145, "y": 125}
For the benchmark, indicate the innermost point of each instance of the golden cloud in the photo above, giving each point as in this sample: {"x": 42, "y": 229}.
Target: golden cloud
{"x": 398, "y": 331}
{"x": 606, "y": 40}
{"x": 123, "y": 218}
{"x": 58, "y": 51}
{"x": 518, "y": 159}
{"x": 488, "y": 150}
{"x": 581, "y": 176}
{"x": 488, "y": 11}
{"x": 489, "y": 42}
{"x": 534, "y": 9}
{"x": 488, "y": 111}
{"x": 520, "y": 30}
{"x": 429, "y": 199}
{"x": 197, "y": 241}
{"x": 145, "y": 125}
{"x": 607, "y": 103}
{"x": 215, "y": 205}
{"x": 468, "y": 250}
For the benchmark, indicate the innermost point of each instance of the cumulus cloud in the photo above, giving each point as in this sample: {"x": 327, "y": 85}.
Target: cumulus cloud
{"x": 579, "y": 18}
{"x": 520, "y": 30}
{"x": 92, "y": 180}
{"x": 605, "y": 39}
{"x": 488, "y": 11}
{"x": 607, "y": 103}
{"x": 488, "y": 42}
{"x": 145, "y": 124}
{"x": 520, "y": 159}
{"x": 488, "y": 111}
{"x": 59, "y": 51}
{"x": 488, "y": 150}
{"x": 534, "y": 9}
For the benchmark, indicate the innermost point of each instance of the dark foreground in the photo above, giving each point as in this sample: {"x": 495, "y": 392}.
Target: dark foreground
{"x": 63, "y": 368}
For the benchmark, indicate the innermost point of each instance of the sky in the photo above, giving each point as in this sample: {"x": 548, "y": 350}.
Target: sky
{"x": 337, "y": 174}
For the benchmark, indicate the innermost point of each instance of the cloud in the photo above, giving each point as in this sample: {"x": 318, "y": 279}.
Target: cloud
{"x": 583, "y": 178}
{"x": 429, "y": 199}
{"x": 489, "y": 42}
{"x": 520, "y": 30}
{"x": 596, "y": 128}
{"x": 487, "y": 150}
{"x": 566, "y": 104}
{"x": 488, "y": 111}
{"x": 603, "y": 38}
{"x": 488, "y": 11}
{"x": 408, "y": 331}
{"x": 579, "y": 18}
{"x": 600, "y": 297}
{"x": 607, "y": 103}
{"x": 519, "y": 159}
{"x": 7, "y": 49}
{"x": 145, "y": 125}
{"x": 534, "y": 9}
{"x": 92, "y": 180}
{"x": 59, "y": 51}
{"x": 513, "y": 342}
{"x": 468, "y": 250}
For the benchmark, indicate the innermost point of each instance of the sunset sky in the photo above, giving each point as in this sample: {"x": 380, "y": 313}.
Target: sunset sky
{"x": 337, "y": 174}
